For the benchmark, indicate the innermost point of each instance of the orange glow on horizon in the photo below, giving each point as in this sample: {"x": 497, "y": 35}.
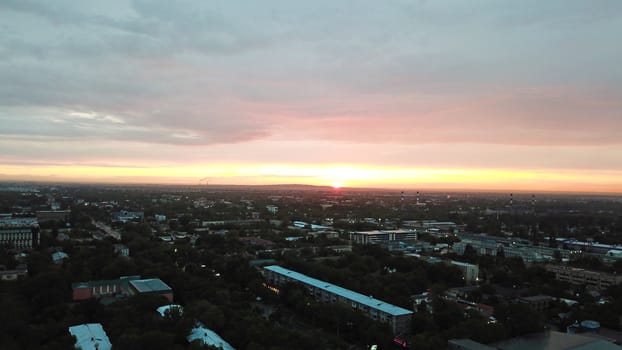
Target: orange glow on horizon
{"x": 336, "y": 175}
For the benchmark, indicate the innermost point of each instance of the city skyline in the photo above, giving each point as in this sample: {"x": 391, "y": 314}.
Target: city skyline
{"x": 478, "y": 95}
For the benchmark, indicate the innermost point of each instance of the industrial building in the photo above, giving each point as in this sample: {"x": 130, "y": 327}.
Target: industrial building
{"x": 399, "y": 318}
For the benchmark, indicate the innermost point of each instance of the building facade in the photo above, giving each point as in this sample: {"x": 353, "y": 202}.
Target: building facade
{"x": 19, "y": 233}
{"x": 53, "y": 215}
{"x": 537, "y": 302}
{"x": 600, "y": 280}
{"x": 101, "y": 288}
{"x": 470, "y": 272}
{"x": 126, "y": 285}
{"x": 384, "y": 236}
{"x": 398, "y": 318}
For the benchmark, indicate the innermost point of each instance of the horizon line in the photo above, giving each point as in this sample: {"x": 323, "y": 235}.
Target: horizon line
{"x": 311, "y": 186}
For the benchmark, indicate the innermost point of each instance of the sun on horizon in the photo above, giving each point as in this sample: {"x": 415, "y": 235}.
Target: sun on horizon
{"x": 337, "y": 185}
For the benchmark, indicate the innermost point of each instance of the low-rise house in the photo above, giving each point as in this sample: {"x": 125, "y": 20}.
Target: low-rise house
{"x": 418, "y": 299}
{"x": 272, "y": 209}
{"x": 13, "y": 274}
{"x": 58, "y": 257}
{"x": 122, "y": 250}
{"x": 537, "y": 302}
{"x": 101, "y": 288}
{"x": 126, "y": 286}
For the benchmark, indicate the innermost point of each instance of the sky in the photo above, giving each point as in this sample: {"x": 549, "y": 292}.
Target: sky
{"x": 478, "y": 94}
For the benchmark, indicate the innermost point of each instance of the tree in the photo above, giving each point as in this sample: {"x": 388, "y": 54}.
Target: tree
{"x": 446, "y": 314}
{"x": 519, "y": 319}
{"x": 500, "y": 252}
{"x": 470, "y": 252}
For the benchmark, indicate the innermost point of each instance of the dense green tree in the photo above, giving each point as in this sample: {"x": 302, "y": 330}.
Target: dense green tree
{"x": 519, "y": 319}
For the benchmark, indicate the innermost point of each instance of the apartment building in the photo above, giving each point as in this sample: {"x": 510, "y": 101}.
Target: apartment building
{"x": 399, "y": 318}
{"x": 600, "y": 280}
{"x": 383, "y": 236}
{"x": 19, "y": 232}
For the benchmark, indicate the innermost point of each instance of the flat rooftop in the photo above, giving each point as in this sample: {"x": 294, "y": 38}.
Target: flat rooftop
{"x": 151, "y": 285}
{"x": 555, "y": 341}
{"x": 346, "y": 293}
{"x": 469, "y": 344}
{"x": 385, "y": 232}
{"x": 90, "y": 336}
{"x": 460, "y": 263}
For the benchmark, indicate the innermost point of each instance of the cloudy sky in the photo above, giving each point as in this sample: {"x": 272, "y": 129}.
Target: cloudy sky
{"x": 476, "y": 94}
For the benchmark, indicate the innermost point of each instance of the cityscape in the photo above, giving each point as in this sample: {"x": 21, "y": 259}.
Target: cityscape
{"x": 253, "y": 267}
{"x": 354, "y": 175}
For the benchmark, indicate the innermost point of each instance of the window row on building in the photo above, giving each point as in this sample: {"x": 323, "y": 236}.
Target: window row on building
{"x": 383, "y": 236}
{"x": 399, "y": 318}
{"x": 600, "y": 280}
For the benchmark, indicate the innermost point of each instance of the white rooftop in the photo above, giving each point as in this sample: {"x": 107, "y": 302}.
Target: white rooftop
{"x": 208, "y": 337}
{"x": 346, "y": 293}
{"x": 163, "y": 309}
{"x": 90, "y": 336}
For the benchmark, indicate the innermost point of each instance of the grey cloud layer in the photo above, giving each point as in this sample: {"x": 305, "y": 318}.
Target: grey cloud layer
{"x": 212, "y": 72}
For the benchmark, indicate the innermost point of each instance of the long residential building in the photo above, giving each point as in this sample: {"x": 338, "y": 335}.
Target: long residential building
{"x": 600, "y": 280}
{"x": 383, "y": 236}
{"x": 399, "y": 318}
